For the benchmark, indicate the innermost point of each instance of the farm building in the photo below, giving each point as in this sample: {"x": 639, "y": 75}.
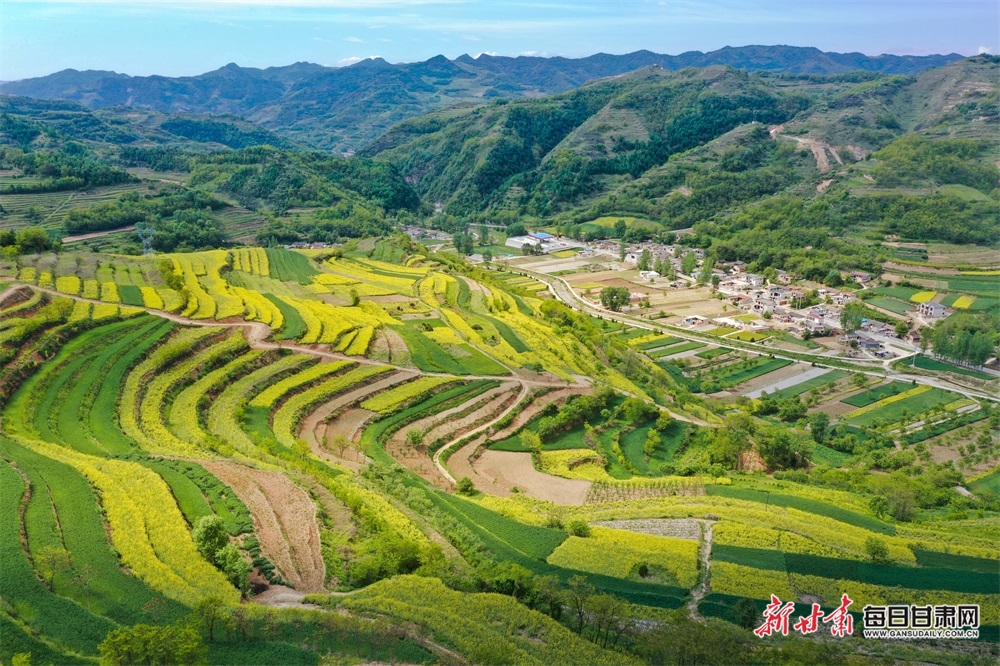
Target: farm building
{"x": 932, "y": 310}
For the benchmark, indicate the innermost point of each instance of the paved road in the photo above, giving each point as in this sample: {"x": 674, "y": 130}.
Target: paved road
{"x": 564, "y": 293}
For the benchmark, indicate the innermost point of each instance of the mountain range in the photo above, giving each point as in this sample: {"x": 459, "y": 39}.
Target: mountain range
{"x": 345, "y": 108}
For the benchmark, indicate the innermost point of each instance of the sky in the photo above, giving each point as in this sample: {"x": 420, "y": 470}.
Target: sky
{"x": 187, "y": 37}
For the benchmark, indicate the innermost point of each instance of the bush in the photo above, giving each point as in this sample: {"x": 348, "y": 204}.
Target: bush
{"x": 579, "y": 528}
{"x": 876, "y": 550}
{"x": 466, "y": 486}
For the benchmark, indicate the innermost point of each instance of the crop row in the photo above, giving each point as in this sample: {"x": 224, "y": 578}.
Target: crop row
{"x": 154, "y": 435}
{"x": 388, "y": 401}
{"x": 184, "y": 419}
{"x": 878, "y": 404}
{"x": 251, "y": 260}
{"x": 223, "y": 414}
{"x": 803, "y": 504}
{"x": 288, "y": 417}
{"x": 920, "y": 578}
{"x": 274, "y": 393}
{"x": 132, "y": 395}
{"x": 68, "y": 624}
{"x": 485, "y": 628}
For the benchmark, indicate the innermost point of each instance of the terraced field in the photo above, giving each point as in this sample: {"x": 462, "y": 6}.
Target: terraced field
{"x": 144, "y": 399}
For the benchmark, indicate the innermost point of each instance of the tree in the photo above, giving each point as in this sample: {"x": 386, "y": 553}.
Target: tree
{"x": 210, "y": 611}
{"x": 615, "y": 298}
{"x": 746, "y": 614}
{"x": 819, "y": 423}
{"x": 466, "y": 486}
{"x": 341, "y": 444}
{"x": 414, "y": 437}
{"x": 211, "y": 536}
{"x": 902, "y": 504}
{"x": 782, "y": 450}
{"x": 237, "y": 569}
{"x": 620, "y": 228}
{"x": 688, "y": 263}
{"x": 645, "y": 260}
{"x": 49, "y": 561}
{"x": 791, "y": 409}
{"x": 705, "y": 276}
{"x": 530, "y": 440}
{"x": 487, "y": 257}
{"x": 580, "y": 592}
{"x": 877, "y": 550}
{"x": 32, "y": 239}
{"x": 851, "y": 316}
{"x": 902, "y": 328}
{"x": 682, "y": 640}
{"x": 154, "y": 646}
{"x": 578, "y": 528}
{"x": 621, "y": 252}
{"x": 879, "y": 505}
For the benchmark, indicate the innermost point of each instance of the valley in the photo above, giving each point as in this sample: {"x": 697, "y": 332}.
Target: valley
{"x": 564, "y": 375}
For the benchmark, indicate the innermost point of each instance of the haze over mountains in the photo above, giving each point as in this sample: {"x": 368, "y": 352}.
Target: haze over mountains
{"x": 345, "y": 108}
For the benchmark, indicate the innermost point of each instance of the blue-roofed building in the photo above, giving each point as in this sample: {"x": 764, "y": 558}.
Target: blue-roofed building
{"x": 541, "y": 236}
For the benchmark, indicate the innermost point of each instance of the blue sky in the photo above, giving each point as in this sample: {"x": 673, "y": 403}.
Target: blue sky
{"x": 184, "y": 37}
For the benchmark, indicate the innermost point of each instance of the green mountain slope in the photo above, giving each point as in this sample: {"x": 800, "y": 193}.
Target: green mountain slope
{"x": 344, "y": 108}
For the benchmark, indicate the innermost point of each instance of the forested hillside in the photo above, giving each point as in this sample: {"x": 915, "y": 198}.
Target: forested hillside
{"x": 911, "y": 156}
{"x": 344, "y": 108}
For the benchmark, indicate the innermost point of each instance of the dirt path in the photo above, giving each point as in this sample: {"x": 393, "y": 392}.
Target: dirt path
{"x": 284, "y": 518}
{"x": 96, "y": 234}
{"x": 819, "y": 150}
{"x": 279, "y": 596}
{"x": 258, "y": 332}
{"x": 440, "y": 425}
{"x": 705, "y": 555}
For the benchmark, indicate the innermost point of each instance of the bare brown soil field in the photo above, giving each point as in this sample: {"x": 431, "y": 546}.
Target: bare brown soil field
{"x": 440, "y": 426}
{"x": 504, "y": 470}
{"x": 454, "y": 428}
{"x": 284, "y": 520}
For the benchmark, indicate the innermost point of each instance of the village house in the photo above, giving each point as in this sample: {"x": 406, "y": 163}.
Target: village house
{"x": 763, "y": 305}
{"x": 648, "y": 275}
{"x": 861, "y": 277}
{"x": 868, "y": 343}
{"x": 754, "y": 280}
{"x": 932, "y": 310}
{"x": 842, "y": 298}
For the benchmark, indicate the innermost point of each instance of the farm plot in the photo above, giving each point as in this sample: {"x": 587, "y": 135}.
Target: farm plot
{"x": 893, "y": 409}
{"x": 674, "y": 349}
{"x": 284, "y": 521}
{"x": 619, "y": 553}
{"x": 890, "y": 304}
{"x": 814, "y": 378}
{"x": 737, "y": 373}
{"x": 873, "y": 395}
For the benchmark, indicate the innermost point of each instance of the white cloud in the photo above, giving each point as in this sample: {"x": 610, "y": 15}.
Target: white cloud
{"x": 355, "y": 40}
{"x": 984, "y": 49}
{"x": 346, "y": 62}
